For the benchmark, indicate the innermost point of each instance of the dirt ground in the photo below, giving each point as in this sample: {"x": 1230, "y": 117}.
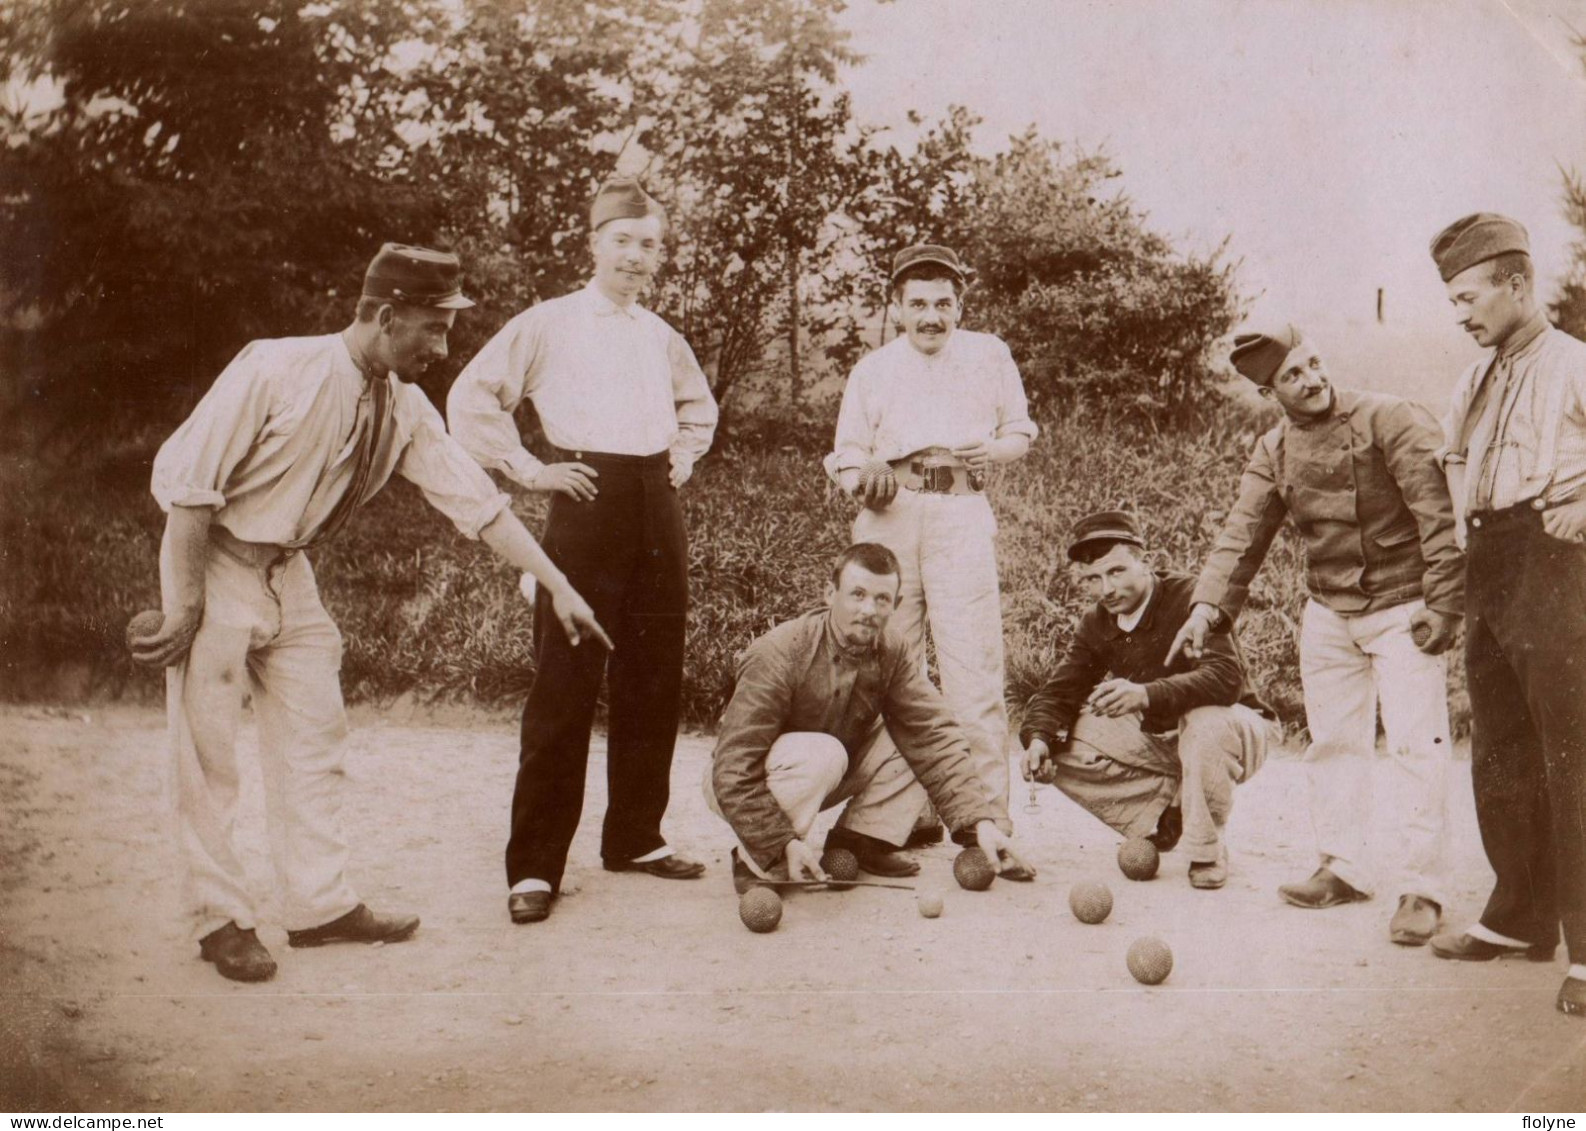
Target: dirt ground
{"x": 640, "y": 994}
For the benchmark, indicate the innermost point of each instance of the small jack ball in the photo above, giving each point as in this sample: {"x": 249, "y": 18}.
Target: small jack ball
{"x": 930, "y": 904}
{"x": 972, "y": 870}
{"x": 1090, "y": 902}
{"x": 760, "y": 909}
{"x": 840, "y": 864}
{"x": 1149, "y": 960}
{"x": 1138, "y": 858}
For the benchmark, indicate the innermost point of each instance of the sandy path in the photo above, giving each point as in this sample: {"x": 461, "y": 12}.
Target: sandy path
{"x": 639, "y": 994}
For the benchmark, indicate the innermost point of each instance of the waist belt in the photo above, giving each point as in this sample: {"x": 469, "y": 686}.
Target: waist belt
{"x": 936, "y": 471}
{"x": 618, "y": 463}
{"x": 260, "y": 555}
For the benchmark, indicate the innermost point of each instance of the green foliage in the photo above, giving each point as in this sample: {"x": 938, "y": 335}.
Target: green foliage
{"x": 426, "y": 613}
{"x": 1568, "y": 308}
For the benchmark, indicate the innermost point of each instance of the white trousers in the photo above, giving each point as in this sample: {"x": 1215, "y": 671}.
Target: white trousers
{"x": 808, "y": 772}
{"x": 264, "y": 631}
{"x": 1347, "y": 666}
{"x": 946, "y": 546}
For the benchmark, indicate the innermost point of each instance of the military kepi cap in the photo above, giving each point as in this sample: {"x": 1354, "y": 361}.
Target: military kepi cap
{"x": 922, "y": 253}
{"x": 416, "y": 275}
{"x": 622, "y": 198}
{"x": 1104, "y": 526}
{"x": 1475, "y": 239}
{"x": 1259, "y": 356}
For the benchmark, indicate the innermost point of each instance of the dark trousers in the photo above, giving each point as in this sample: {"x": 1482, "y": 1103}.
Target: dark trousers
{"x": 1525, "y": 655}
{"x": 627, "y": 553}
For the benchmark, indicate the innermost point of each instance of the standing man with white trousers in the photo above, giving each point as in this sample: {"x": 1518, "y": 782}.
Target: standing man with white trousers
{"x": 923, "y": 420}
{"x": 1358, "y": 475}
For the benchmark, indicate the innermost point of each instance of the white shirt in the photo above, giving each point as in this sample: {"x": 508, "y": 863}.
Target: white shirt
{"x": 1529, "y": 437}
{"x": 602, "y": 377}
{"x": 899, "y": 401}
{"x": 272, "y": 446}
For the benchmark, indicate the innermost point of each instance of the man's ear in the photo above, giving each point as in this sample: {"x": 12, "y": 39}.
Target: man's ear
{"x": 385, "y": 316}
{"x": 831, "y": 592}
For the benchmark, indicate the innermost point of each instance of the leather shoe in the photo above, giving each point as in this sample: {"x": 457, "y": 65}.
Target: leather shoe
{"x": 529, "y": 906}
{"x": 360, "y": 925}
{"x": 237, "y": 954}
{"x": 1572, "y": 997}
{"x": 1415, "y": 922}
{"x": 673, "y": 867}
{"x": 1323, "y": 889}
{"x": 1209, "y": 875}
{"x": 1169, "y": 827}
{"x": 1468, "y": 948}
{"x": 884, "y": 862}
{"x": 924, "y": 836}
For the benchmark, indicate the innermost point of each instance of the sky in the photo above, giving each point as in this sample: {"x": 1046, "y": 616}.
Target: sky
{"x": 1329, "y": 140}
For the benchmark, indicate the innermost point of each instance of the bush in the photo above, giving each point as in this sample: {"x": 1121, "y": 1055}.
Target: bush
{"x": 426, "y": 613}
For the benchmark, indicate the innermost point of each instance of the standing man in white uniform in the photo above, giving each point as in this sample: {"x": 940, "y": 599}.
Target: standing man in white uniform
{"x": 622, "y": 399}
{"x": 923, "y": 420}
{"x": 287, "y": 443}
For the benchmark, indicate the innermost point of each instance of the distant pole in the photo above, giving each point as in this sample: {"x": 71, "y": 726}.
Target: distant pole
{"x": 1379, "y": 306}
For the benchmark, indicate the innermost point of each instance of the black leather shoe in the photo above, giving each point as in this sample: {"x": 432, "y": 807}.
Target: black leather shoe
{"x": 1322, "y": 890}
{"x": 1169, "y": 827}
{"x": 673, "y": 867}
{"x": 529, "y": 906}
{"x": 360, "y": 925}
{"x": 1415, "y": 922}
{"x": 1468, "y": 948}
{"x": 885, "y": 863}
{"x": 237, "y": 954}
{"x": 924, "y": 836}
{"x": 1572, "y": 997}
{"x": 1016, "y": 872}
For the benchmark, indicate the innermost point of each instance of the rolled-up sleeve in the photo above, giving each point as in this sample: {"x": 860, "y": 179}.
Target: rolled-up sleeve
{"x": 1013, "y": 408}
{"x": 195, "y": 464}
{"x": 696, "y": 407}
{"x": 1246, "y": 536}
{"x": 487, "y": 392}
{"x": 753, "y": 720}
{"x": 437, "y": 465}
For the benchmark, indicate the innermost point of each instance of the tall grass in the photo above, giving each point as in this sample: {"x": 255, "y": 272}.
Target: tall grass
{"x": 427, "y": 613}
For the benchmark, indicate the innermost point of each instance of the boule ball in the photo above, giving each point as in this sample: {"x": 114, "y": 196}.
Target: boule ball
{"x": 144, "y": 625}
{"x": 973, "y": 871}
{"x": 1090, "y": 902}
{"x": 1138, "y": 858}
{"x": 760, "y": 909}
{"x": 1149, "y": 960}
{"x": 931, "y": 904}
{"x": 840, "y": 864}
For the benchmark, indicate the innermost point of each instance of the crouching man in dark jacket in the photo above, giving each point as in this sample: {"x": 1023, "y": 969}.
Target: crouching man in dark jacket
{"x": 799, "y": 736}
{"x": 1122, "y": 731}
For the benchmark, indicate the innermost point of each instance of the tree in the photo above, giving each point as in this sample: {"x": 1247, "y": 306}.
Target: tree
{"x": 189, "y": 190}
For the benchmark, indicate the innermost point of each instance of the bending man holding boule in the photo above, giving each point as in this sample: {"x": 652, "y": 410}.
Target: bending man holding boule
{"x": 291, "y": 439}
{"x": 832, "y": 708}
{"x": 924, "y": 419}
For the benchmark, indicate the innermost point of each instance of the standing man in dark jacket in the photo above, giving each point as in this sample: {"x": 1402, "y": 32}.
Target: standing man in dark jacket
{"x": 1357, "y": 473}
{"x": 1517, "y": 463}
{"x": 813, "y": 697}
{"x": 1120, "y": 731}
